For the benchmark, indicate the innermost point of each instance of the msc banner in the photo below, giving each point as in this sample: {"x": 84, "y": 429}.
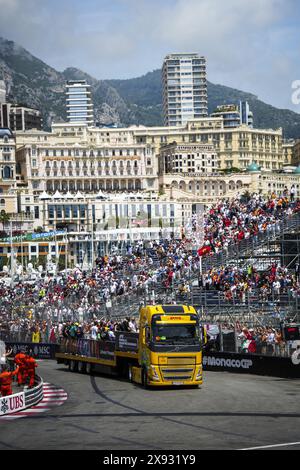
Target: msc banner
{"x": 39, "y": 350}
{"x": 272, "y": 366}
{"x": 12, "y": 403}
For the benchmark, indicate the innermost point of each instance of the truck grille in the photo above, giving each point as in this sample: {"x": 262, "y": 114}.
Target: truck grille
{"x": 177, "y": 377}
{"x": 178, "y": 361}
{"x": 177, "y": 374}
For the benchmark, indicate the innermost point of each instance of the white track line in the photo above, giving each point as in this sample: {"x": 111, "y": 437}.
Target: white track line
{"x": 273, "y": 445}
{"x": 56, "y": 394}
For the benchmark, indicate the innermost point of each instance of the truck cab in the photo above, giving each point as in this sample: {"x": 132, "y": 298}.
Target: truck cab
{"x": 170, "y": 347}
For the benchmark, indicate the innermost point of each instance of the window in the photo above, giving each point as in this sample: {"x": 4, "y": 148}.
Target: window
{"x": 59, "y": 212}
{"x": 75, "y": 211}
{"x": 51, "y": 212}
{"x": 82, "y": 212}
{"x": 7, "y": 173}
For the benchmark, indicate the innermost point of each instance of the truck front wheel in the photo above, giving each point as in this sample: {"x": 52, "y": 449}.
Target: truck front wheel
{"x": 81, "y": 367}
{"x": 130, "y": 373}
{"x": 145, "y": 380}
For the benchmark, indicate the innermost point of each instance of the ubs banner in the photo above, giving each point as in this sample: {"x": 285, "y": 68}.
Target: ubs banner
{"x": 252, "y": 364}
{"x": 12, "y": 403}
{"x": 39, "y": 350}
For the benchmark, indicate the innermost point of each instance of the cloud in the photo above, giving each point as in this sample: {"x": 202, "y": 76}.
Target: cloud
{"x": 249, "y": 45}
{"x": 253, "y": 45}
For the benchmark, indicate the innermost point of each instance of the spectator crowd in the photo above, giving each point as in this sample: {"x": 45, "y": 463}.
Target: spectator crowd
{"x": 75, "y": 302}
{"x": 243, "y": 338}
{"x": 236, "y": 283}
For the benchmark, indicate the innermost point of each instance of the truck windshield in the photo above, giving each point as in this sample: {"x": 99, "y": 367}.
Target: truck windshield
{"x": 175, "y": 334}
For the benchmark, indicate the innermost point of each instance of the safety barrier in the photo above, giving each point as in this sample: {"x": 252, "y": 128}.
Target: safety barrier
{"x": 20, "y": 401}
{"x": 34, "y": 395}
{"x": 285, "y": 367}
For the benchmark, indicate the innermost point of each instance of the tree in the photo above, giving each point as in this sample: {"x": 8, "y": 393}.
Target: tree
{"x": 4, "y": 218}
{"x": 228, "y": 171}
{"x": 246, "y": 196}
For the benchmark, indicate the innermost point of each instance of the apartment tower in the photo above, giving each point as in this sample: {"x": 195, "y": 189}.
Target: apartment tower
{"x": 79, "y": 102}
{"x": 2, "y": 92}
{"x": 184, "y": 88}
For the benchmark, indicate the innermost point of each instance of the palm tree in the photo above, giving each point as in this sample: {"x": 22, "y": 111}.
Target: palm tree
{"x": 4, "y": 218}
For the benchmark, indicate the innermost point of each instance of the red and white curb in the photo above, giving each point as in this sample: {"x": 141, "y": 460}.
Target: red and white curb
{"x": 53, "y": 396}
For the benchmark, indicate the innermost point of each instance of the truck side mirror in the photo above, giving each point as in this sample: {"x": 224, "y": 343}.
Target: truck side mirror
{"x": 203, "y": 335}
{"x": 147, "y": 335}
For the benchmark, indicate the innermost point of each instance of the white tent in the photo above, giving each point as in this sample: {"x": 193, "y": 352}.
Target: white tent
{"x": 57, "y": 195}
{"x": 119, "y": 197}
{"x": 101, "y": 195}
{"x": 44, "y": 196}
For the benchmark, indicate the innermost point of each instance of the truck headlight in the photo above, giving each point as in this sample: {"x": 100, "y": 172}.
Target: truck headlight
{"x": 199, "y": 373}
{"x": 154, "y": 374}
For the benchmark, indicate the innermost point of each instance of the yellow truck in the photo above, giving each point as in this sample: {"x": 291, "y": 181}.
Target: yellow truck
{"x": 167, "y": 351}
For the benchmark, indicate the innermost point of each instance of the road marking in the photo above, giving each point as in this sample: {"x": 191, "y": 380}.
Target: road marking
{"x": 56, "y": 394}
{"x": 273, "y": 445}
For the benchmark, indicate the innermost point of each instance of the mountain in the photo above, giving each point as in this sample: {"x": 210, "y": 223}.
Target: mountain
{"x": 125, "y": 102}
{"x": 146, "y": 92}
{"x": 265, "y": 115}
{"x": 30, "y": 81}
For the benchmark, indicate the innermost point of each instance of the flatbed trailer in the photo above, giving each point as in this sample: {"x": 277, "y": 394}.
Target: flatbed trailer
{"x": 110, "y": 357}
{"x": 166, "y": 351}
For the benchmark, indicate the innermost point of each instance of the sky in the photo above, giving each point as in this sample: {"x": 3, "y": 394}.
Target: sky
{"x": 252, "y": 45}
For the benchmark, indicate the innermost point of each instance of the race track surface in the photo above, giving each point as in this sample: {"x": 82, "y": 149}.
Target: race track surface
{"x": 230, "y": 411}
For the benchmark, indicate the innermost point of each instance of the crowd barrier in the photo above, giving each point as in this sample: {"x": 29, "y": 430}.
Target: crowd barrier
{"x": 21, "y": 401}
{"x": 284, "y": 367}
